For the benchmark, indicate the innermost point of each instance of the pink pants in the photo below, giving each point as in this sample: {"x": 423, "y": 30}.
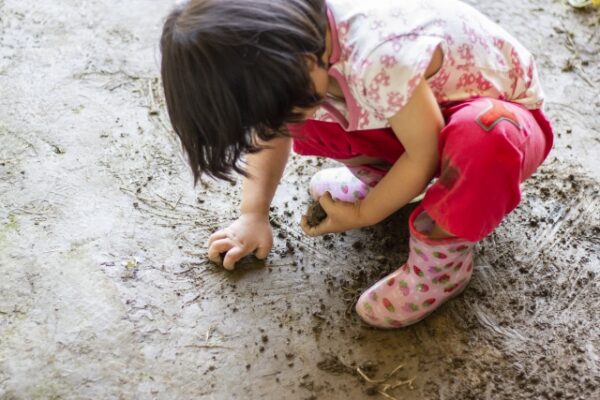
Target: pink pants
{"x": 487, "y": 148}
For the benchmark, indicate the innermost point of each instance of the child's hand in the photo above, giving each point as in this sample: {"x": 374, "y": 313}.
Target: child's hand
{"x": 341, "y": 216}
{"x": 249, "y": 233}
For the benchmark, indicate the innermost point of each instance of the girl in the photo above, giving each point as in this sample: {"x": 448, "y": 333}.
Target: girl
{"x": 399, "y": 91}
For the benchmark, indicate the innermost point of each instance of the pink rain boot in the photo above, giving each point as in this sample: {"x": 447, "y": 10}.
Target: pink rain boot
{"x": 345, "y": 184}
{"x": 436, "y": 271}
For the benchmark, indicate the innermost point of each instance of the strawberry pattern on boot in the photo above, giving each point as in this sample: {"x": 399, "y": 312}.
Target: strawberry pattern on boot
{"x": 345, "y": 184}
{"x": 436, "y": 270}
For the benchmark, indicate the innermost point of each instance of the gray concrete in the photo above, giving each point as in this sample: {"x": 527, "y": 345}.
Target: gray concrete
{"x": 104, "y": 288}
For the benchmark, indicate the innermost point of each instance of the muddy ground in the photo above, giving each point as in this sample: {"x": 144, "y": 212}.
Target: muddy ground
{"x": 105, "y": 292}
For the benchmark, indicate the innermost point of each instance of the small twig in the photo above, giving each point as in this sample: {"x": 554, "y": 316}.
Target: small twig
{"x": 208, "y": 346}
{"x": 572, "y": 47}
{"x": 209, "y": 332}
{"x": 387, "y": 396}
{"x": 184, "y": 271}
{"x": 399, "y": 367}
{"x": 366, "y": 378}
{"x": 584, "y": 76}
{"x": 171, "y": 206}
{"x": 383, "y": 389}
{"x": 402, "y": 383}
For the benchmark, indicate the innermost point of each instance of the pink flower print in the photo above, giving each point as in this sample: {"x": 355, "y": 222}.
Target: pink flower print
{"x": 406, "y": 269}
{"x": 449, "y": 39}
{"x": 377, "y": 24}
{"x": 373, "y": 93}
{"x": 438, "y": 82}
{"x": 449, "y": 58}
{"x": 365, "y": 64}
{"x": 471, "y": 34}
{"x": 466, "y": 80}
{"x": 413, "y": 82}
{"x": 395, "y": 100}
{"x": 458, "y": 267}
{"x": 412, "y": 37}
{"x": 498, "y": 43}
{"x": 363, "y": 120}
{"x": 380, "y": 116}
{"x": 354, "y": 80}
{"x": 440, "y": 255}
{"x": 465, "y": 52}
{"x": 346, "y": 51}
{"x": 382, "y": 79}
{"x": 516, "y": 73}
{"x": 397, "y": 44}
{"x": 391, "y": 281}
{"x": 388, "y": 61}
{"x": 345, "y": 188}
{"x": 449, "y": 265}
{"x": 343, "y": 28}
{"x": 500, "y": 60}
{"x": 482, "y": 83}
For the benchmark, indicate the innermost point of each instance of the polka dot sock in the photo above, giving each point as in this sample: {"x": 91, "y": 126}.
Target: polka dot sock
{"x": 343, "y": 183}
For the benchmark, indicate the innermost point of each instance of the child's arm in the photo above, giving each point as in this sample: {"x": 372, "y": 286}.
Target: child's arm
{"x": 417, "y": 126}
{"x": 251, "y": 232}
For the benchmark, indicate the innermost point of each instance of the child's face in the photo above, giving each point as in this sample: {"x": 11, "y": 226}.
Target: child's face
{"x": 320, "y": 79}
{"x": 319, "y": 74}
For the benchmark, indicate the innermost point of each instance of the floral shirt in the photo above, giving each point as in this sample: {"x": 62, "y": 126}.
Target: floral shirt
{"x": 381, "y": 49}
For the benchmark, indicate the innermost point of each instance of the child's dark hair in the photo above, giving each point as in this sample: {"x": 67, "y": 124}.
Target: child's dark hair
{"x": 234, "y": 68}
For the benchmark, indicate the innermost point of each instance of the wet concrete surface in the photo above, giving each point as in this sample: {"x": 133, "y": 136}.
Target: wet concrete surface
{"x": 105, "y": 291}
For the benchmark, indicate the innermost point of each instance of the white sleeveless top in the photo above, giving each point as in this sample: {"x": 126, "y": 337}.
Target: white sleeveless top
{"x": 381, "y": 49}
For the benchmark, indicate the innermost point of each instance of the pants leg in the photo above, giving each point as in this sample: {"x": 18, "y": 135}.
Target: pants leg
{"x": 487, "y": 148}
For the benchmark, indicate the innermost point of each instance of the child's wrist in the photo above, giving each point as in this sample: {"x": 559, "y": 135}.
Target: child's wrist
{"x": 366, "y": 217}
{"x": 255, "y": 213}
{"x": 255, "y": 208}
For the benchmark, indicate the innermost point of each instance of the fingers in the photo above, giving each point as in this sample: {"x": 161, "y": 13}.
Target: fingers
{"x": 262, "y": 251}
{"x": 304, "y": 225}
{"x": 232, "y": 256}
{"x": 218, "y": 247}
{"x": 216, "y": 236}
{"x": 313, "y": 231}
{"x": 328, "y": 205}
{"x": 326, "y": 202}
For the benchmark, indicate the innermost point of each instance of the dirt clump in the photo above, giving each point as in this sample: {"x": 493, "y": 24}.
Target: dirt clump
{"x": 315, "y": 214}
